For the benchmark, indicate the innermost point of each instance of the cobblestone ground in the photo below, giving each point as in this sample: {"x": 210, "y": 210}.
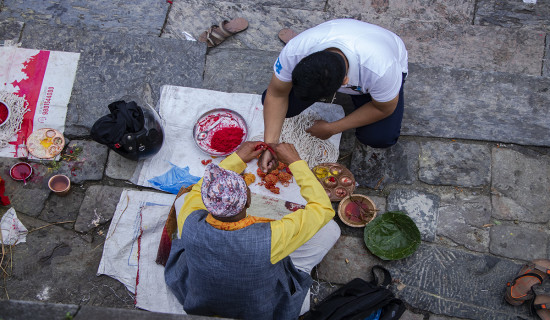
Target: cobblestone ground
{"x": 472, "y": 167}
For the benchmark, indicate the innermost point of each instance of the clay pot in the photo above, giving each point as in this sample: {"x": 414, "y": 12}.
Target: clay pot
{"x": 60, "y": 184}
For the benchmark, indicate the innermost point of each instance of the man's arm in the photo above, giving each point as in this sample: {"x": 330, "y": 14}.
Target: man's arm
{"x": 296, "y": 228}
{"x": 368, "y": 113}
{"x": 275, "y": 108}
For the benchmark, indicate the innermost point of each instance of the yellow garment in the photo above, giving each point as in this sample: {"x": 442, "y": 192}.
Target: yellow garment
{"x": 294, "y": 229}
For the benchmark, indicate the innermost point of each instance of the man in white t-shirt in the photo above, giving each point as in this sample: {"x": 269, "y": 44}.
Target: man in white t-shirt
{"x": 357, "y": 58}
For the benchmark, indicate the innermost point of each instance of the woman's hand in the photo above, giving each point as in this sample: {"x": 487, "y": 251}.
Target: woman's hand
{"x": 321, "y": 129}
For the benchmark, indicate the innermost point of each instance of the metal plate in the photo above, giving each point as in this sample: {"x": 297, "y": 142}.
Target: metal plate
{"x": 227, "y": 119}
{"x": 4, "y": 108}
{"x": 45, "y": 143}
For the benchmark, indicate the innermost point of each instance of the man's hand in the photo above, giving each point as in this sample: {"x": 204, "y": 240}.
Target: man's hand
{"x": 267, "y": 162}
{"x": 321, "y": 129}
{"x": 287, "y": 153}
{"x": 247, "y": 151}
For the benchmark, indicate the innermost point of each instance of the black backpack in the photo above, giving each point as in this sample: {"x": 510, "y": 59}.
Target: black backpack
{"x": 358, "y": 299}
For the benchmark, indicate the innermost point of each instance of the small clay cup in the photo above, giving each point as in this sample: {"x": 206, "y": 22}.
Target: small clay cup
{"x": 60, "y": 184}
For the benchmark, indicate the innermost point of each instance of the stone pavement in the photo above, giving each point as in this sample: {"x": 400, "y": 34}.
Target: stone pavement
{"x": 472, "y": 167}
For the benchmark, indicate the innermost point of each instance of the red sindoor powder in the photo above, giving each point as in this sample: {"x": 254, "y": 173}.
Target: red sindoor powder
{"x": 227, "y": 139}
{"x": 353, "y": 211}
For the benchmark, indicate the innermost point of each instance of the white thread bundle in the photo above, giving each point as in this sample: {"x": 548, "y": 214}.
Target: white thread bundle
{"x": 18, "y": 108}
{"x": 311, "y": 149}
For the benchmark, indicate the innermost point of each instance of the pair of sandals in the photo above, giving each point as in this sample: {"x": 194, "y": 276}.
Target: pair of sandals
{"x": 521, "y": 288}
{"x": 217, "y": 33}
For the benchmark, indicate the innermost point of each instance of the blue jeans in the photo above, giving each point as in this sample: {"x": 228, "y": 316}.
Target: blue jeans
{"x": 381, "y": 134}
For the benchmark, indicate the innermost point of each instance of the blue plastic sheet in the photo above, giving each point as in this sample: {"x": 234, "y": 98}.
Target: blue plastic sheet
{"x": 174, "y": 179}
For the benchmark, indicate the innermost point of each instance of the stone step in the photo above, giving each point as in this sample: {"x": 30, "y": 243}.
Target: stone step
{"x": 17, "y": 309}
{"x": 56, "y": 264}
{"x": 383, "y": 12}
{"x": 482, "y": 48}
{"x": 505, "y": 13}
{"x": 484, "y": 197}
{"x": 437, "y": 279}
{"x": 440, "y": 101}
{"x": 10, "y": 32}
{"x": 429, "y": 41}
{"x": 114, "y": 65}
{"x": 437, "y": 35}
{"x": 514, "y": 14}
{"x": 144, "y": 17}
{"x": 491, "y": 106}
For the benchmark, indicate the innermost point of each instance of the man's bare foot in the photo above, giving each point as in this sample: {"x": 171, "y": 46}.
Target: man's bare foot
{"x": 287, "y": 34}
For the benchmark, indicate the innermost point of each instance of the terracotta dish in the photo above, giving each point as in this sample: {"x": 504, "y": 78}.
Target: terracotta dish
{"x": 60, "y": 184}
{"x": 356, "y": 210}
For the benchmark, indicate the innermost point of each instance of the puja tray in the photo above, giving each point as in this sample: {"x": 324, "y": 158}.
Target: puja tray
{"x": 337, "y": 180}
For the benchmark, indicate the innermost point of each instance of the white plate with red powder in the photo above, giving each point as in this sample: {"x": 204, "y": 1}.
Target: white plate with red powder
{"x": 4, "y": 113}
{"x": 223, "y": 131}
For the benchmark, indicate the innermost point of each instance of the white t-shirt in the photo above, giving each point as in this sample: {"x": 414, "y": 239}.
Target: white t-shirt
{"x": 377, "y": 57}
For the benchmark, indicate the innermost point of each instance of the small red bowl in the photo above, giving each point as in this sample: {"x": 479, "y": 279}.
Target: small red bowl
{"x": 4, "y": 113}
{"x": 21, "y": 171}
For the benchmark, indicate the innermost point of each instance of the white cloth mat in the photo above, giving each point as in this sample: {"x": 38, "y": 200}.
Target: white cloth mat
{"x": 180, "y": 107}
{"x": 47, "y": 92}
{"x": 132, "y": 245}
{"x": 133, "y": 238}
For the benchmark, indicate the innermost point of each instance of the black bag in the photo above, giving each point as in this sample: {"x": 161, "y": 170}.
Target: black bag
{"x": 358, "y": 299}
{"x": 130, "y": 130}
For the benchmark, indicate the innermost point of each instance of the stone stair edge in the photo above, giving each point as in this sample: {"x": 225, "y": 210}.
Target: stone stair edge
{"x": 213, "y": 53}
{"x": 24, "y": 309}
{"x": 99, "y": 31}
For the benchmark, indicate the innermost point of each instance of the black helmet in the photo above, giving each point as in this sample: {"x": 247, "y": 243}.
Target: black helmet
{"x": 132, "y": 131}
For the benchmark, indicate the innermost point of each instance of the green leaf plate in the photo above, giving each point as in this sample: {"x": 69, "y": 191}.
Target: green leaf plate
{"x": 392, "y": 236}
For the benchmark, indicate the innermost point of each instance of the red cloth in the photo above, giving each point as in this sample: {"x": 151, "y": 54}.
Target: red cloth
{"x": 170, "y": 230}
{"x": 4, "y": 200}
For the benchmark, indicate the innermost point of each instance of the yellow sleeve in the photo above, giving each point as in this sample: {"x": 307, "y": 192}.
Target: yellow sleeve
{"x": 296, "y": 228}
{"x": 193, "y": 199}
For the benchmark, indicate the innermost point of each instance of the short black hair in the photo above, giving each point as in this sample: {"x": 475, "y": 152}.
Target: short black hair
{"x": 318, "y": 75}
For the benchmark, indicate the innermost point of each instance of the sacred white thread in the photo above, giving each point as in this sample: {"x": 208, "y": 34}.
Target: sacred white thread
{"x": 18, "y": 108}
{"x": 311, "y": 149}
